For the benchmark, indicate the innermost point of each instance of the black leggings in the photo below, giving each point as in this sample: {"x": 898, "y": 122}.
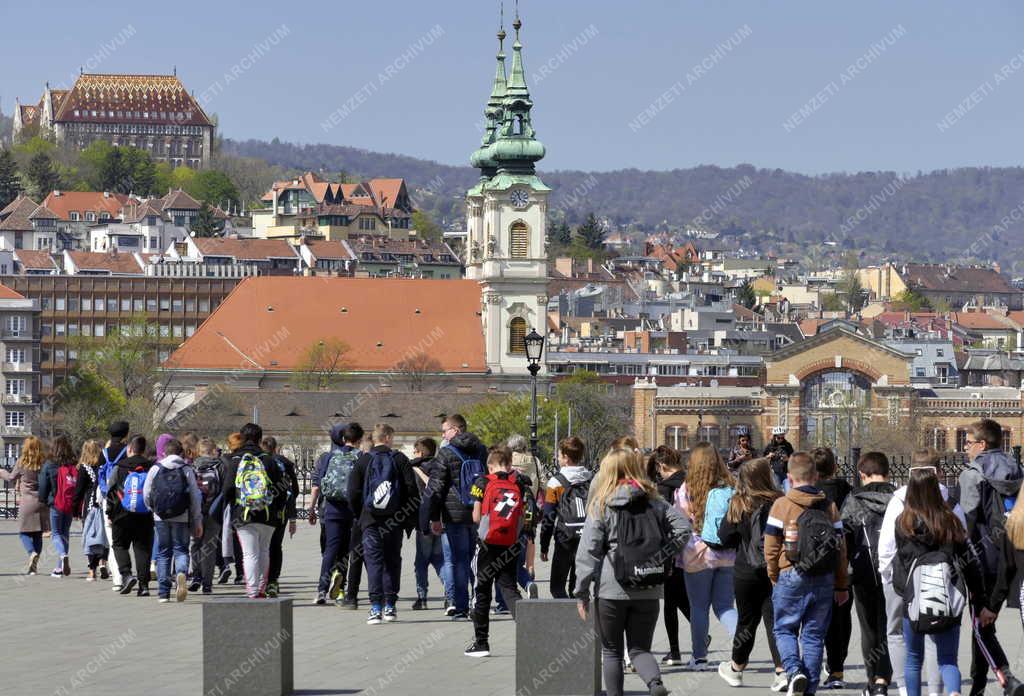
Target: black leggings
{"x": 563, "y": 569}
{"x": 676, "y": 600}
{"x": 753, "y": 607}
{"x": 635, "y": 619}
{"x": 837, "y": 639}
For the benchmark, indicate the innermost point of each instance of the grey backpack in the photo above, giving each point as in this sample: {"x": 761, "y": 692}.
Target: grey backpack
{"x": 935, "y": 595}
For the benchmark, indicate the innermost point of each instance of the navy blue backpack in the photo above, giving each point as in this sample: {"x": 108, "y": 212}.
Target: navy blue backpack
{"x": 382, "y": 490}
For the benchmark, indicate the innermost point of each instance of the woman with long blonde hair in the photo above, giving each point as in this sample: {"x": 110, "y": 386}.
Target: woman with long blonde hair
{"x": 627, "y": 612}
{"x": 87, "y": 506}
{"x": 704, "y": 499}
{"x": 33, "y": 514}
{"x": 748, "y": 512}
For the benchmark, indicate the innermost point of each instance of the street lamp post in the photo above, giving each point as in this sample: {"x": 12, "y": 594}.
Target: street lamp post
{"x": 534, "y": 348}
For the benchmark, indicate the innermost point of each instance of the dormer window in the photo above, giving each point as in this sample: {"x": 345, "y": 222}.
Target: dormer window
{"x": 90, "y": 217}
{"x": 74, "y": 216}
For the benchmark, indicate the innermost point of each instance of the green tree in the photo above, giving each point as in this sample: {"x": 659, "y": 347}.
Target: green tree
{"x": 85, "y": 406}
{"x": 163, "y": 178}
{"x": 746, "y": 295}
{"x": 912, "y": 301}
{"x": 206, "y": 223}
{"x": 322, "y": 366}
{"x": 832, "y": 302}
{"x": 561, "y": 234}
{"x": 42, "y": 175}
{"x": 213, "y": 187}
{"x": 10, "y": 184}
{"x": 850, "y": 288}
{"x": 591, "y": 233}
{"x": 426, "y": 228}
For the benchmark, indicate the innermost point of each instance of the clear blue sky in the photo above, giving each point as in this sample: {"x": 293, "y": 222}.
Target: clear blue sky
{"x": 884, "y": 115}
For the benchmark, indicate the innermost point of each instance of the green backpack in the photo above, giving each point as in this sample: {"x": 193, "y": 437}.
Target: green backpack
{"x": 253, "y": 484}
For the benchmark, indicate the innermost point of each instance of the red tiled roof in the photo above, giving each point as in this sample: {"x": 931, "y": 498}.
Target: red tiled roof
{"x": 15, "y": 217}
{"x": 116, "y": 264}
{"x": 245, "y": 249}
{"x": 179, "y": 200}
{"x": 7, "y": 294}
{"x": 29, "y": 114}
{"x": 955, "y": 279}
{"x": 270, "y": 323}
{"x": 85, "y": 201}
{"x": 978, "y": 320}
{"x": 323, "y": 249}
{"x": 43, "y": 213}
{"x": 141, "y": 99}
{"x": 386, "y": 191}
{"x": 35, "y": 260}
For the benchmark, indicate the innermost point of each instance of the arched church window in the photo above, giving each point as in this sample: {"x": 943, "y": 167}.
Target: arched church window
{"x": 517, "y": 125}
{"x": 517, "y": 336}
{"x": 519, "y": 241}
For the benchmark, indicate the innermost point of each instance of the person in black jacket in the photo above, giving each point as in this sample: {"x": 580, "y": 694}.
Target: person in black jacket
{"x": 255, "y": 525}
{"x": 384, "y": 500}
{"x": 837, "y": 640}
{"x": 443, "y": 510}
{"x": 862, "y": 515}
{"x": 130, "y": 529}
{"x": 671, "y": 474}
{"x": 748, "y": 513}
{"x": 779, "y": 450}
{"x": 285, "y": 515}
{"x": 429, "y": 551}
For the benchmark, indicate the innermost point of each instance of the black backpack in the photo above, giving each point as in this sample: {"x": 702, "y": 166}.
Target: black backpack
{"x": 170, "y": 492}
{"x": 753, "y": 549}
{"x": 572, "y": 508}
{"x": 816, "y": 550}
{"x": 643, "y": 557}
{"x": 990, "y": 536}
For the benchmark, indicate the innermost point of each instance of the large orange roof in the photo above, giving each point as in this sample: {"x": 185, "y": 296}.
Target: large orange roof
{"x": 85, "y": 201}
{"x": 123, "y": 98}
{"x": 115, "y": 264}
{"x": 270, "y": 322}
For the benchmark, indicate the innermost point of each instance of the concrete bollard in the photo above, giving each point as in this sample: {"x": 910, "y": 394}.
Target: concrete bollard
{"x": 557, "y": 654}
{"x": 248, "y": 647}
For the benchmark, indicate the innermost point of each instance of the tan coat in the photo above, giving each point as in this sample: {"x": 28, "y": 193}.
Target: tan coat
{"x": 33, "y": 516}
{"x": 526, "y": 463}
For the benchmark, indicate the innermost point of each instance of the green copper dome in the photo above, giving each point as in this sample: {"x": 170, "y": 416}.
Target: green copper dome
{"x": 482, "y": 157}
{"x": 516, "y": 148}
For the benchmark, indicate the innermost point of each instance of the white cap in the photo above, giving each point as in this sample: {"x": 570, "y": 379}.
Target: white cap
{"x": 778, "y": 430}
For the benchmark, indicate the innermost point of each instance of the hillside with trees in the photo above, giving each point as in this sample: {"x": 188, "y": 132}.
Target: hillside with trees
{"x": 928, "y": 216}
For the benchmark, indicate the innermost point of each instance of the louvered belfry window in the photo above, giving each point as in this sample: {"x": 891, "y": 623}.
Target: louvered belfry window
{"x": 517, "y": 336}
{"x": 520, "y": 241}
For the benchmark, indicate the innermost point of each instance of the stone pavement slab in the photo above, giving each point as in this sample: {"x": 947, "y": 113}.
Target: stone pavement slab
{"x": 68, "y": 636}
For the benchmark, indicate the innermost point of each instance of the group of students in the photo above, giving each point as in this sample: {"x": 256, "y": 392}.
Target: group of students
{"x": 914, "y": 560}
{"x": 182, "y": 509}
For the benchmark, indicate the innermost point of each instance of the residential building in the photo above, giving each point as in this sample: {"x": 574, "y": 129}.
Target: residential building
{"x": 151, "y": 112}
{"x": 946, "y": 286}
{"x": 270, "y": 256}
{"x": 92, "y": 306}
{"x": 322, "y": 256}
{"x": 383, "y": 257}
{"x": 19, "y": 348}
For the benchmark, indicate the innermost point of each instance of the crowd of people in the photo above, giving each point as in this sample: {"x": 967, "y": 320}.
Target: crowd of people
{"x": 778, "y": 540}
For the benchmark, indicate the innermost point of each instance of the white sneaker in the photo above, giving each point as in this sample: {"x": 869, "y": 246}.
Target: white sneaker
{"x": 781, "y": 682}
{"x": 797, "y": 685}
{"x": 729, "y": 675}
{"x": 701, "y": 665}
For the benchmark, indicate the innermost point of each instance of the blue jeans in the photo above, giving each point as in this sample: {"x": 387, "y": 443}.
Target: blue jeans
{"x": 457, "y": 547}
{"x": 707, "y": 590}
{"x": 171, "y": 540}
{"x": 803, "y": 606}
{"x": 429, "y": 552}
{"x": 32, "y": 542}
{"x": 946, "y": 644}
{"x": 60, "y": 526}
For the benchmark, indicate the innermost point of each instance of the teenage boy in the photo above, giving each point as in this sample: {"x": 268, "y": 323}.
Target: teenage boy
{"x": 210, "y": 478}
{"x": 131, "y": 523}
{"x": 988, "y": 486}
{"x": 447, "y": 508}
{"x": 840, "y": 628}
{"x": 807, "y": 576}
{"x": 285, "y": 514}
{"x": 499, "y": 509}
{"x": 113, "y": 452}
{"x": 380, "y": 492}
{"x": 565, "y": 511}
{"x": 672, "y": 475}
{"x": 173, "y": 496}
{"x": 862, "y": 516}
{"x": 330, "y": 484}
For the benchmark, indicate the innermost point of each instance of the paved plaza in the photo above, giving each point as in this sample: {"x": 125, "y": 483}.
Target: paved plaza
{"x": 68, "y": 636}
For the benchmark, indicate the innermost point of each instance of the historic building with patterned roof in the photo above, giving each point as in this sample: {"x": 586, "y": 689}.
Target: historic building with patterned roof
{"x": 151, "y": 112}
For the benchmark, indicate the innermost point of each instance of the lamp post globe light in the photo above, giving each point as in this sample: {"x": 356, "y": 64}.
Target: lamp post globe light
{"x": 534, "y": 349}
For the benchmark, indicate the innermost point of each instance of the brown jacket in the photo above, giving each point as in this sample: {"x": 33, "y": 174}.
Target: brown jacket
{"x": 785, "y": 511}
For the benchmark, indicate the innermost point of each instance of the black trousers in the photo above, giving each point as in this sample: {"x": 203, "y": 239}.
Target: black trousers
{"x": 355, "y": 562}
{"x": 676, "y": 600}
{"x": 979, "y": 665}
{"x": 563, "y": 568}
{"x": 753, "y": 608}
{"x": 837, "y": 639}
{"x": 634, "y": 620}
{"x": 494, "y": 565}
{"x": 276, "y": 553}
{"x": 337, "y": 536}
{"x": 135, "y": 531}
{"x": 871, "y": 617}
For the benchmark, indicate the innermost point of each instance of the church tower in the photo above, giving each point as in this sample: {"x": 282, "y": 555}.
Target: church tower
{"x": 506, "y": 219}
